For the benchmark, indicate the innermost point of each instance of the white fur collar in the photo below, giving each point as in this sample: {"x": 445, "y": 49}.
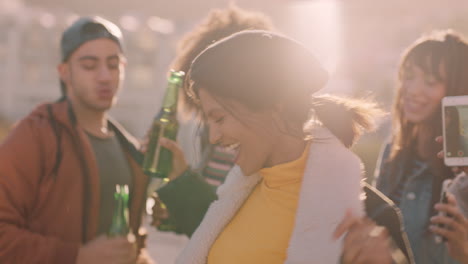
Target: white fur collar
{"x": 330, "y": 186}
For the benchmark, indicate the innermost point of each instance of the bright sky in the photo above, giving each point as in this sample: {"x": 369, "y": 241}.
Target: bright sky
{"x": 317, "y": 25}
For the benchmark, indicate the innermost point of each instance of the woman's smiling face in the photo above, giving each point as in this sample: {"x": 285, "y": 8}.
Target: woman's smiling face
{"x": 422, "y": 94}
{"x": 253, "y": 137}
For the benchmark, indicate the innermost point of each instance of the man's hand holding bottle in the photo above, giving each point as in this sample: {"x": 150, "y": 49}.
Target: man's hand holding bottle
{"x": 104, "y": 249}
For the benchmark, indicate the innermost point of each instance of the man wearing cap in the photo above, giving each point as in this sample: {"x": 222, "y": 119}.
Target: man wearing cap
{"x": 60, "y": 165}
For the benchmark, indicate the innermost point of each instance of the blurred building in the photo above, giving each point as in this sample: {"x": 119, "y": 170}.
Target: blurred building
{"x": 29, "y": 53}
{"x": 377, "y": 32}
{"x": 359, "y": 41}
{"x": 29, "y": 49}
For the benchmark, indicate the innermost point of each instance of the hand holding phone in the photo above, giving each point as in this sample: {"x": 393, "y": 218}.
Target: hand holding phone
{"x": 443, "y": 199}
{"x": 456, "y": 233}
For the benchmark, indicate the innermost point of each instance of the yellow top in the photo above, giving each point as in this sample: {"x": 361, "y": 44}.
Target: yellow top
{"x": 261, "y": 229}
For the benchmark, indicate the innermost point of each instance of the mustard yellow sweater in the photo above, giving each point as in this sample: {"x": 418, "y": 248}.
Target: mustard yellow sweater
{"x": 261, "y": 230}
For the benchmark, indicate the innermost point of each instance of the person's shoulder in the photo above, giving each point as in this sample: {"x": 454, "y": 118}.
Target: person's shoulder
{"x": 385, "y": 152}
{"x": 44, "y": 112}
{"x": 382, "y": 166}
{"x": 34, "y": 129}
{"x": 35, "y": 119}
{"x": 43, "y": 117}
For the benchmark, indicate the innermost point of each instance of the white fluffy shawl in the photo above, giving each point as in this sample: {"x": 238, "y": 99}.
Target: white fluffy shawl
{"x": 330, "y": 186}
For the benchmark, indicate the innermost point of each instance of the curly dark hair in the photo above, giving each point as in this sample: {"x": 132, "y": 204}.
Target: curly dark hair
{"x": 218, "y": 24}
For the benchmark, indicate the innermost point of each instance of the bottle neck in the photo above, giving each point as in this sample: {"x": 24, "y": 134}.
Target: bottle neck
{"x": 118, "y": 210}
{"x": 171, "y": 97}
{"x": 121, "y": 198}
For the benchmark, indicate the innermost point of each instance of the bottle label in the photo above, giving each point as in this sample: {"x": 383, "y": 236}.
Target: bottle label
{"x": 161, "y": 128}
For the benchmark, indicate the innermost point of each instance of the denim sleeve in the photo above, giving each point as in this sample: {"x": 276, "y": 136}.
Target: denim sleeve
{"x": 381, "y": 174}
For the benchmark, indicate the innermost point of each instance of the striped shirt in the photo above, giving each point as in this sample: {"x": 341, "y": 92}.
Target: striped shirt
{"x": 218, "y": 165}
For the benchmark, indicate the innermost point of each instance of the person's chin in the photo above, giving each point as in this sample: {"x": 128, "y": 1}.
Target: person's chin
{"x": 106, "y": 104}
{"x": 246, "y": 172}
{"x": 102, "y": 107}
{"x": 414, "y": 118}
{"x": 247, "y": 169}
{"x": 242, "y": 166}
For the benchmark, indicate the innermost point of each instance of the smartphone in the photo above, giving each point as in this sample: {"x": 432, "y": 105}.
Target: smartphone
{"x": 455, "y": 130}
{"x": 443, "y": 199}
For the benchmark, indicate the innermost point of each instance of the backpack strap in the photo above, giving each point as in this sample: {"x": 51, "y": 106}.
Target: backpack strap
{"x": 58, "y": 135}
{"x": 129, "y": 147}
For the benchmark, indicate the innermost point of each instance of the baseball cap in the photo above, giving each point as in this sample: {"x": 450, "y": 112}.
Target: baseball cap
{"x": 87, "y": 29}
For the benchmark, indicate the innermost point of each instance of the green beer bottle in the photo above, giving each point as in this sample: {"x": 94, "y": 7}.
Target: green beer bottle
{"x": 120, "y": 225}
{"x": 158, "y": 160}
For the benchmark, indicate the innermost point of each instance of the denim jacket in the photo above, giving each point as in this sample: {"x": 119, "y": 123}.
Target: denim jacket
{"x": 414, "y": 205}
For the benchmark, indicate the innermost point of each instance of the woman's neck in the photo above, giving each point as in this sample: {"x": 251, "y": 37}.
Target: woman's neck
{"x": 287, "y": 149}
{"x": 423, "y": 140}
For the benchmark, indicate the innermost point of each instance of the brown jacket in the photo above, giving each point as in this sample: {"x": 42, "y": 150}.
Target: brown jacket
{"x": 49, "y": 188}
